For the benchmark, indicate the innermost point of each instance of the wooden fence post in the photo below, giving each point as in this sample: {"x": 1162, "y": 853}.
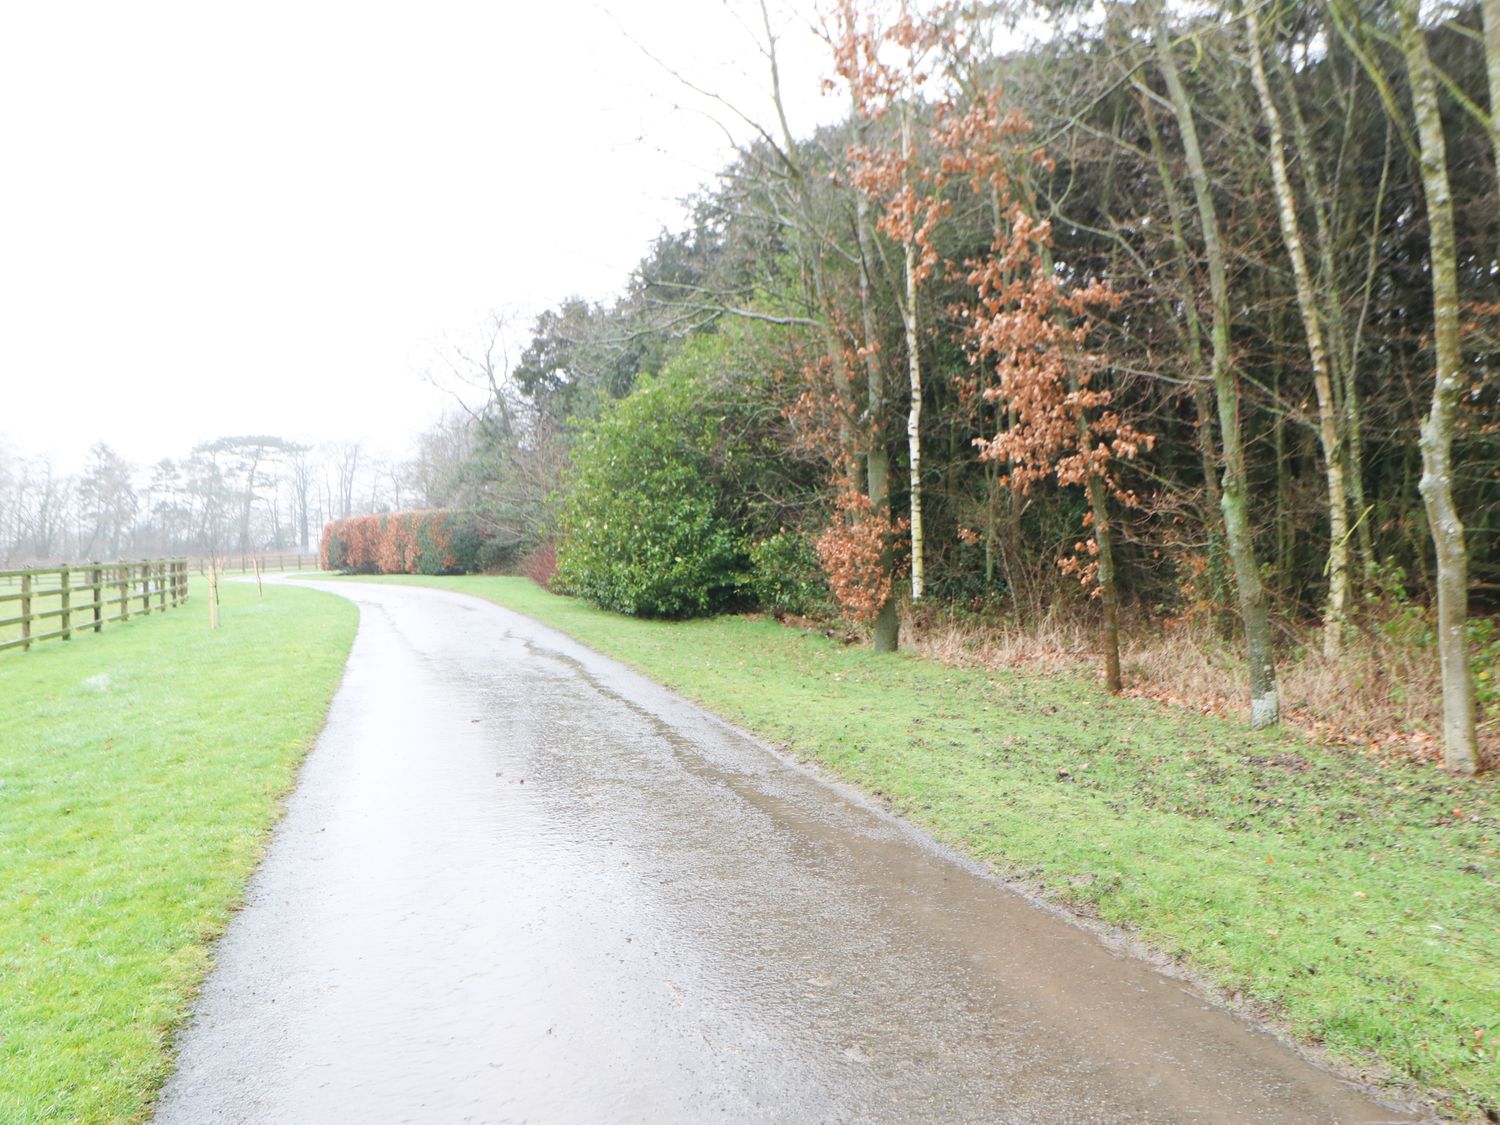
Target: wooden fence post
{"x": 161, "y": 585}
{"x": 96, "y": 580}
{"x": 67, "y": 603}
{"x": 146, "y": 587}
{"x": 124, "y": 575}
{"x": 25, "y": 613}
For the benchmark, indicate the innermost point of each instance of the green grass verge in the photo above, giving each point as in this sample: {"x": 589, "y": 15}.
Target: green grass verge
{"x": 1357, "y": 902}
{"x": 140, "y": 772}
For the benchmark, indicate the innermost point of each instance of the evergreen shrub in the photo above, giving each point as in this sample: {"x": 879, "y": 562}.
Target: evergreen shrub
{"x": 644, "y": 525}
{"x": 786, "y": 576}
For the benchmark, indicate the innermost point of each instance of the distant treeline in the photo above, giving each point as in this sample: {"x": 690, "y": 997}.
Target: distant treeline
{"x": 240, "y": 494}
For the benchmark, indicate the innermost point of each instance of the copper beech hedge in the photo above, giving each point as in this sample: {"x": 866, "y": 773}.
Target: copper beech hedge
{"x": 421, "y": 542}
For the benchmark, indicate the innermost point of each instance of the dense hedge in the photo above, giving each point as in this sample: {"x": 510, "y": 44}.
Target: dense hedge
{"x": 426, "y": 542}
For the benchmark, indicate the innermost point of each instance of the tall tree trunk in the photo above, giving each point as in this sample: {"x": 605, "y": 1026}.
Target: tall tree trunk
{"x": 1336, "y": 612}
{"x": 1265, "y": 705}
{"x": 877, "y": 460}
{"x": 1192, "y": 336}
{"x": 1108, "y": 588}
{"x": 1285, "y": 553}
{"x": 1491, "y": 9}
{"x": 1010, "y": 549}
{"x": 849, "y": 451}
{"x": 1459, "y": 751}
{"x": 991, "y": 521}
{"x": 1109, "y": 596}
{"x": 1353, "y": 409}
{"x": 1098, "y": 497}
{"x": 1354, "y": 447}
{"x": 807, "y": 249}
{"x": 1343, "y": 352}
{"x": 914, "y": 370}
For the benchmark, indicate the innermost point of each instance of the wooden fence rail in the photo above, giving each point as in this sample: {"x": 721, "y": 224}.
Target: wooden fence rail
{"x": 269, "y": 561}
{"x": 88, "y": 596}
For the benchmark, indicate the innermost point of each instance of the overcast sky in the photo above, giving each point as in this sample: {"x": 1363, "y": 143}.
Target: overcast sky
{"x": 268, "y": 218}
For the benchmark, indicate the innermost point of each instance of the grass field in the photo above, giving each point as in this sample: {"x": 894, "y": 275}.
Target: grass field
{"x": 140, "y": 771}
{"x": 1356, "y": 903}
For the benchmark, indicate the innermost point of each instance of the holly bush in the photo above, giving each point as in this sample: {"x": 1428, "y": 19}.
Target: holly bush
{"x": 786, "y": 576}
{"x": 644, "y": 528}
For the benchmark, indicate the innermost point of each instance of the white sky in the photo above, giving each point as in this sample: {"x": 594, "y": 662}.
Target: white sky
{"x": 267, "y": 218}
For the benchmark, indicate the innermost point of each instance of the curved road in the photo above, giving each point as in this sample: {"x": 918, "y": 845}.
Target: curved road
{"x": 518, "y": 882}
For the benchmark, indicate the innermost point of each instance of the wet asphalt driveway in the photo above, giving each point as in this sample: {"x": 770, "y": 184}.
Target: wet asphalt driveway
{"x": 520, "y": 883}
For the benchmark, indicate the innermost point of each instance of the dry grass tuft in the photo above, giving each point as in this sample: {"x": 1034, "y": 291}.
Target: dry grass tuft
{"x": 1383, "y": 697}
{"x": 1058, "y": 643}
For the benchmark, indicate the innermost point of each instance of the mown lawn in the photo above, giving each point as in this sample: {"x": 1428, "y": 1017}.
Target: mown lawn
{"x": 140, "y": 772}
{"x": 1357, "y": 902}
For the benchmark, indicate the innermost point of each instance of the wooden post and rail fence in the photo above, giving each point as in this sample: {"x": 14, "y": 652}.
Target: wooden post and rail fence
{"x": 249, "y": 563}
{"x": 87, "y": 597}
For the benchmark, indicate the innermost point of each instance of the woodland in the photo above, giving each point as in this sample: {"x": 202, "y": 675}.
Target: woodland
{"x": 1167, "y": 343}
